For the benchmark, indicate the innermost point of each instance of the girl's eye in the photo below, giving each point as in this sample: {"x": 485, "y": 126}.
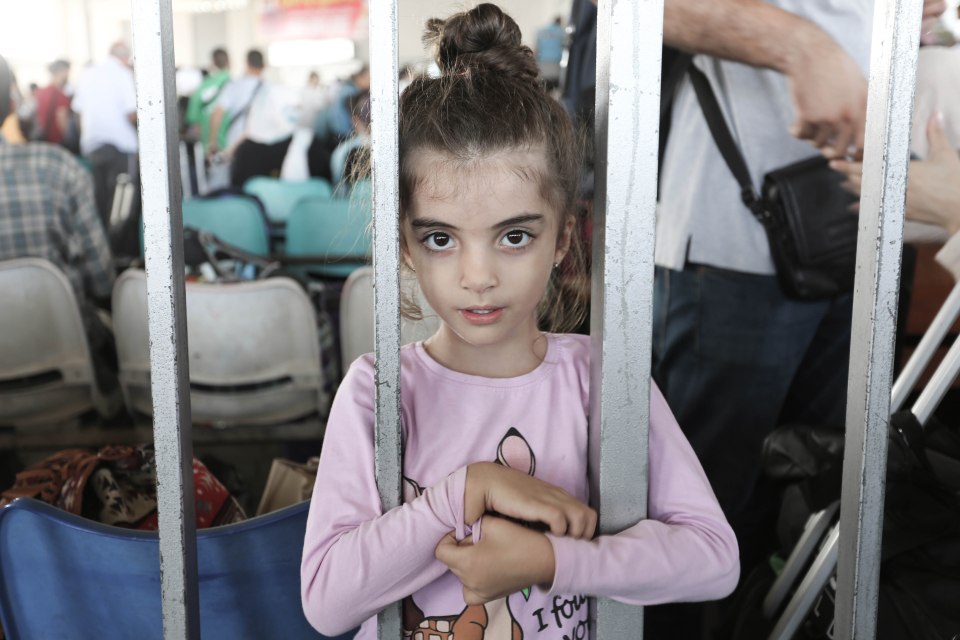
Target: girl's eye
{"x": 516, "y": 239}
{"x": 438, "y": 241}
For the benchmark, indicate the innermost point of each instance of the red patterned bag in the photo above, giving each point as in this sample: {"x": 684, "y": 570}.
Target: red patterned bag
{"x": 117, "y": 485}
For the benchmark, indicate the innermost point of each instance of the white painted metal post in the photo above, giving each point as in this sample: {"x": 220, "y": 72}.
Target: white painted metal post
{"x": 384, "y": 91}
{"x": 629, "y": 51}
{"x": 163, "y": 244}
{"x": 890, "y": 106}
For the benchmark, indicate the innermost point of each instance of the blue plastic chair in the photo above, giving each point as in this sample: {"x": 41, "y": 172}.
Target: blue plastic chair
{"x": 62, "y": 576}
{"x": 336, "y": 232}
{"x": 279, "y": 197}
{"x": 236, "y": 220}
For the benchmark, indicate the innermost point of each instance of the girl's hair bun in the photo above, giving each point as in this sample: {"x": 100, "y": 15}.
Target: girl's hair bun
{"x": 483, "y": 38}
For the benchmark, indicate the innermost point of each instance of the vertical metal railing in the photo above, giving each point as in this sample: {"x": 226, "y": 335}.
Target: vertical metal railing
{"x": 384, "y": 92}
{"x": 629, "y": 51}
{"x": 628, "y": 69}
{"x": 152, "y": 24}
{"x": 893, "y": 64}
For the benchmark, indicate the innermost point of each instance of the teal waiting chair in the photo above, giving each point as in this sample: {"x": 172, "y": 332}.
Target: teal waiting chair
{"x": 329, "y": 238}
{"x": 66, "y": 577}
{"x": 279, "y": 197}
{"x": 236, "y": 220}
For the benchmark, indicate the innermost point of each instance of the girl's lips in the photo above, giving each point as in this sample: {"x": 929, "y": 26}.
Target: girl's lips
{"x": 482, "y": 315}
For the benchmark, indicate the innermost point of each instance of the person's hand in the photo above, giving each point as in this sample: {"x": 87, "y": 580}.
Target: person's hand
{"x": 829, "y": 91}
{"x": 829, "y": 95}
{"x": 852, "y": 171}
{"x": 933, "y": 185}
{"x": 932, "y": 9}
{"x": 494, "y": 487}
{"x": 508, "y": 558}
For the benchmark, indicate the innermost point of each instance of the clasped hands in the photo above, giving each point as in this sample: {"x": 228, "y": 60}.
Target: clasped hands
{"x": 510, "y": 556}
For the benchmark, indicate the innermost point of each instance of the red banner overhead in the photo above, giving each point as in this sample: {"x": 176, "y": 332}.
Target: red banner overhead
{"x": 310, "y": 19}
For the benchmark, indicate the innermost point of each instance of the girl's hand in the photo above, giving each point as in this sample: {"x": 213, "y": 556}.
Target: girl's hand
{"x": 494, "y": 487}
{"x": 508, "y": 558}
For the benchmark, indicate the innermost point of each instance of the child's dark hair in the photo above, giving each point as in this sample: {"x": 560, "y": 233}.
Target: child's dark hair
{"x": 358, "y": 105}
{"x": 489, "y": 99}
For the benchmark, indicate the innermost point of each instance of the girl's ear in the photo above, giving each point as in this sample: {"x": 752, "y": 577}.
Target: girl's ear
{"x": 405, "y": 254}
{"x": 564, "y": 238}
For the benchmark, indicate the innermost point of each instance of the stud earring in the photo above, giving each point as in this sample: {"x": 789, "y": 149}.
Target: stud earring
{"x": 556, "y": 265}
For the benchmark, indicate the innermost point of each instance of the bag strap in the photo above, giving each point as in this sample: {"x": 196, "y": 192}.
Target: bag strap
{"x": 246, "y": 107}
{"x": 725, "y": 142}
{"x": 668, "y": 94}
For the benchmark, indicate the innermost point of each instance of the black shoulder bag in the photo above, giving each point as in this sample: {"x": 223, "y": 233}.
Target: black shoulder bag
{"x": 803, "y": 209}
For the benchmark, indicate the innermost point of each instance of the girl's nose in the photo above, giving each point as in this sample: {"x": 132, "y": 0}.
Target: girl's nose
{"x": 477, "y": 271}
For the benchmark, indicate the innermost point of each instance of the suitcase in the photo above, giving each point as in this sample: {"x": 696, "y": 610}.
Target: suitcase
{"x": 921, "y": 521}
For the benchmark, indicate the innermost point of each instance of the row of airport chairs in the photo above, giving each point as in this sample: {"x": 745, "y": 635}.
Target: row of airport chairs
{"x": 279, "y": 197}
{"x": 254, "y": 353}
{"x": 325, "y": 236}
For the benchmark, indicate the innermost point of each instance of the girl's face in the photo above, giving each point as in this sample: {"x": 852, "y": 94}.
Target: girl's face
{"x": 483, "y": 242}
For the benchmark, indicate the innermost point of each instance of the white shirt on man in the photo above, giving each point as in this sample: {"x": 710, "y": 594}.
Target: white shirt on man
{"x": 701, "y": 218}
{"x": 106, "y": 94}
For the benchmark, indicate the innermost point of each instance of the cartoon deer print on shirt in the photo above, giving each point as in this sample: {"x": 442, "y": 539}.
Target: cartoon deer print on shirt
{"x": 493, "y": 620}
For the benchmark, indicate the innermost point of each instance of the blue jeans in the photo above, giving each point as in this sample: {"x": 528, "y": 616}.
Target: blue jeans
{"x": 735, "y": 358}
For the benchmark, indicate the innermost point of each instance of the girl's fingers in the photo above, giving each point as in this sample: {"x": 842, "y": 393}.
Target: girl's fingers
{"x": 582, "y": 524}
{"x": 472, "y": 598}
{"x": 557, "y": 522}
{"x": 578, "y": 526}
{"x": 446, "y": 551}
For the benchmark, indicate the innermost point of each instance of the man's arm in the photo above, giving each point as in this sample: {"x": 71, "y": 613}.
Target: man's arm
{"x": 216, "y": 118}
{"x": 61, "y": 115}
{"x": 828, "y": 89}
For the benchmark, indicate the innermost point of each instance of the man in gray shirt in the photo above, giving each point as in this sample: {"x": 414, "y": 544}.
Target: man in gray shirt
{"x": 733, "y": 355}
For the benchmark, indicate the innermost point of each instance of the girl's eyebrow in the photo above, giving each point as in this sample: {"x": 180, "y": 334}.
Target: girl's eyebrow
{"x": 525, "y": 218}
{"x": 431, "y": 223}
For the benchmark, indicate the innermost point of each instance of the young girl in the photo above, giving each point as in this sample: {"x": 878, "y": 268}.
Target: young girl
{"x": 494, "y": 540}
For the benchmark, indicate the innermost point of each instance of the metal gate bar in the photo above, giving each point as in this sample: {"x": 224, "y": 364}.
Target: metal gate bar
{"x": 893, "y": 64}
{"x": 384, "y": 124}
{"x": 152, "y": 24}
{"x": 629, "y": 51}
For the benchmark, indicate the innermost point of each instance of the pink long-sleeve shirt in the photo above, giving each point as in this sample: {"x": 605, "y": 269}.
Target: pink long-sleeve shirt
{"x": 357, "y": 559}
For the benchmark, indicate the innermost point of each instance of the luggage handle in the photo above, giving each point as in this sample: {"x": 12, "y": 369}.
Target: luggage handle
{"x": 922, "y": 355}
